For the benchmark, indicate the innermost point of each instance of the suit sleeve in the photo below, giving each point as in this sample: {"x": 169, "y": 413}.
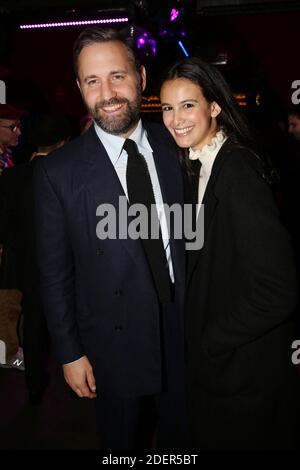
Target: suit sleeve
{"x": 266, "y": 293}
{"x": 56, "y": 268}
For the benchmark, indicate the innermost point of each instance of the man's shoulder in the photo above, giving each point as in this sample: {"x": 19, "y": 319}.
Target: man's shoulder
{"x": 159, "y": 132}
{"x": 64, "y": 158}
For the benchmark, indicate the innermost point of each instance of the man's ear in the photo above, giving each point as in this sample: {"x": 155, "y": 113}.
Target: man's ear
{"x": 78, "y": 84}
{"x": 215, "y": 109}
{"x": 143, "y": 77}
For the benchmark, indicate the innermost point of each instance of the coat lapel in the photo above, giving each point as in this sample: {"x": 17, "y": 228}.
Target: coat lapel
{"x": 210, "y": 203}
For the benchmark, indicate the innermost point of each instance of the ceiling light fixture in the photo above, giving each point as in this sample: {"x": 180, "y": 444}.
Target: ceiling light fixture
{"x": 61, "y": 24}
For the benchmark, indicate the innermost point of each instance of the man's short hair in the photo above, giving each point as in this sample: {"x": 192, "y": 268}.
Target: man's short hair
{"x": 95, "y": 35}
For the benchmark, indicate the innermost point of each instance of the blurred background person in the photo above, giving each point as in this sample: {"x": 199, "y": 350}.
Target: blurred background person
{"x": 289, "y": 171}
{"x": 47, "y": 134}
{"x": 294, "y": 123}
{"x": 10, "y": 131}
{"x": 10, "y": 296}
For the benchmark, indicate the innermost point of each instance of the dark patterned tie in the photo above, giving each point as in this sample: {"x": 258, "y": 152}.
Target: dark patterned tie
{"x": 140, "y": 191}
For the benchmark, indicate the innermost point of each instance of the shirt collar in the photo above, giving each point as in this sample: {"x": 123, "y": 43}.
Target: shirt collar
{"x": 139, "y": 135}
{"x": 114, "y": 144}
{"x": 209, "y": 152}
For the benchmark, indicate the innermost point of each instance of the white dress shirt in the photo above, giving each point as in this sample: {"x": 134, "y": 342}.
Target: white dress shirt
{"x": 113, "y": 145}
{"x": 207, "y": 156}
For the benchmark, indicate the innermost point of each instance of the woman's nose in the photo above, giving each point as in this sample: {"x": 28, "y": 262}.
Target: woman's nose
{"x": 178, "y": 118}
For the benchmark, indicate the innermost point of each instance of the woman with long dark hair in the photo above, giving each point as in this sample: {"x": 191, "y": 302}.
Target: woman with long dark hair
{"x": 243, "y": 389}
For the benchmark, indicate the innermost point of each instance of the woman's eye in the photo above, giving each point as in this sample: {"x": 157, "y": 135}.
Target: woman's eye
{"x": 188, "y": 105}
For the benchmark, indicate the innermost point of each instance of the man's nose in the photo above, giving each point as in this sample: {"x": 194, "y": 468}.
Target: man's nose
{"x": 107, "y": 90}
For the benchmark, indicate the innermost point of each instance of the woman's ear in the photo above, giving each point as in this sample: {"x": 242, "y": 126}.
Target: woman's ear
{"x": 215, "y": 109}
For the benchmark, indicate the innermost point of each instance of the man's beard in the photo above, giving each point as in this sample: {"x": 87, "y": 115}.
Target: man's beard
{"x": 121, "y": 124}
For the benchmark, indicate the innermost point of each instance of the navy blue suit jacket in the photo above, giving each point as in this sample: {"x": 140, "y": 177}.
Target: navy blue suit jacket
{"x": 99, "y": 295}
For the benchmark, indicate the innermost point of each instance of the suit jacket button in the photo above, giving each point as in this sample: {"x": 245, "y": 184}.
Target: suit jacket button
{"x": 100, "y": 251}
{"x": 118, "y": 327}
{"x": 118, "y": 292}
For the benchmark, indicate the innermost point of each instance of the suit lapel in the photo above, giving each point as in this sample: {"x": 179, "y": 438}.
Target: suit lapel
{"x": 168, "y": 171}
{"x": 102, "y": 182}
{"x": 100, "y": 179}
{"x": 171, "y": 185}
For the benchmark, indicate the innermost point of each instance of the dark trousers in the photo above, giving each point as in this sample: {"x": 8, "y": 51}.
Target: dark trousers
{"x": 152, "y": 421}
{"x": 148, "y": 422}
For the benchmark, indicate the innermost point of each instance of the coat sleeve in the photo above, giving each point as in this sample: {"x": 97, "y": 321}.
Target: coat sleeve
{"x": 56, "y": 268}
{"x": 266, "y": 292}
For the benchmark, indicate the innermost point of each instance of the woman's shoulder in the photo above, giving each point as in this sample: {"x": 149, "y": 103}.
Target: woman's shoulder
{"x": 239, "y": 156}
{"x": 242, "y": 162}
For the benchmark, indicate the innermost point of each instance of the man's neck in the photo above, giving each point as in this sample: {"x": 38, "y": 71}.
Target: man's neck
{"x": 131, "y": 131}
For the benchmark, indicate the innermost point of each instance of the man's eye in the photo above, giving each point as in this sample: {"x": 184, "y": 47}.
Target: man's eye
{"x": 166, "y": 108}
{"x": 118, "y": 77}
{"x": 92, "y": 82}
{"x": 188, "y": 105}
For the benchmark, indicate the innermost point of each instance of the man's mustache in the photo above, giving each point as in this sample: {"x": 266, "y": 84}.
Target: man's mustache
{"x": 111, "y": 102}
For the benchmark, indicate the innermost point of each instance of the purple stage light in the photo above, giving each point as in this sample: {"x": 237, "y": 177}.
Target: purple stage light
{"x": 174, "y": 13}
{"x": 73, "y": 23}
{"x": 146, "y": 43}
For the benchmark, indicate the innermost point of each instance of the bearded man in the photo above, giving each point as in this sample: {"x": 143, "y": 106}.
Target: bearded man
{"x": 114, "y": 306}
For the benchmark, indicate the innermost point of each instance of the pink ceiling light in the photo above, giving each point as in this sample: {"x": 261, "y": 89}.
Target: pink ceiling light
{"x": 174, "y": 13}
{"x": 61, "y": 24}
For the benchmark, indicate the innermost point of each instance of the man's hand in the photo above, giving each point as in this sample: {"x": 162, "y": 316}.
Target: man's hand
{"x": 79, "y": 376}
